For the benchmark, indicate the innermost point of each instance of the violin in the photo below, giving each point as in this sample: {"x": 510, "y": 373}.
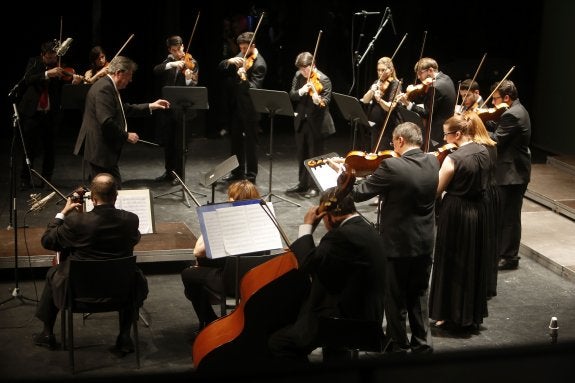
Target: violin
{"x": 364, "y": 163}
{"x": 344, "y": 186}
{"x": 316, "y": 86}
{"x": 248, "y": 63}
{"x": 241, "y": 337}
{"x": 492, "y": 114}
{"x": 442, "y": 152}
{"x": 189, "y": 62}
{"x": 414, "y": 92}
{"x": 68, "y": 74}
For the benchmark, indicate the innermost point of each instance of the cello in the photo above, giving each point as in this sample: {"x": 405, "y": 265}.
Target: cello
{"x": 240, "y": 338}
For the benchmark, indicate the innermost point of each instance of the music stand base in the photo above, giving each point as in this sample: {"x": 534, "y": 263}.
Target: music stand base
{"x": 268, "y": 198}
{"x": 17, "y": 294}
{"x": 180, "y": 189}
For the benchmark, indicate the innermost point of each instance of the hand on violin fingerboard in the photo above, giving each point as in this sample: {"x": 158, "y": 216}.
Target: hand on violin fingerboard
{"x": 316, "y": 99}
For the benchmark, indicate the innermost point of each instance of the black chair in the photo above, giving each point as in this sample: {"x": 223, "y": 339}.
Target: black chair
{"x": 234, "y": 270}
{"x": 97, "y": 286}
{"x": 343, "y": 338}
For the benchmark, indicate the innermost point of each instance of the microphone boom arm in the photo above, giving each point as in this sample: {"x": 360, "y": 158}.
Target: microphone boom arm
{"x": 372, "y": 42}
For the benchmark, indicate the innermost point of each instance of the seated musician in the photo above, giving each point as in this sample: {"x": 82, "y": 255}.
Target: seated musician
{"x": 347, "y": 269}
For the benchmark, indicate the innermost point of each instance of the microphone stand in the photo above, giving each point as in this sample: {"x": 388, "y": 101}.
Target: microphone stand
{"x": 372, "y": 42}
{"x": 13, "y": 224}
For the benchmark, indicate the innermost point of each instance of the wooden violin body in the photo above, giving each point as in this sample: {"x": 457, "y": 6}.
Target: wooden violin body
{"x": 492, "y": 114}
{"x": 364, "y": 163}
{"x": 271, "y": 295}
{"x": 442, "y": 152}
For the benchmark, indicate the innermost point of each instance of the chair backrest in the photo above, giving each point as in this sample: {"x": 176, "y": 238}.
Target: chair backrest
{"x": 246, "y": 263}
{"x": 103, "y": 285}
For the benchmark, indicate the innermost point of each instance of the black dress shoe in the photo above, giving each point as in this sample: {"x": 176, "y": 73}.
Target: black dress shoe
{"x": 296, "y": 189}
{"x": 45, "y": 340}
{"x": 232, "y": 178}
{"x": 166, "y": 177}
{"x": 124, "y": 345}
{"x": 508, "y": 264}
{"x": 311, "y": 193}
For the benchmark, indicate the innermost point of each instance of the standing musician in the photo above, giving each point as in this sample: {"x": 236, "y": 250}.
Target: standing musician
{"x": 98, "y": 65}
{"x": 311, "y": 91}
{"x": 39, "y": 109}
{"x": 378, "y": 100}
{"x": 248, "y": 68}
{"x": 433, "y": 99}
{"x": 175, "y": 71}
{"x": 470, "y": 97}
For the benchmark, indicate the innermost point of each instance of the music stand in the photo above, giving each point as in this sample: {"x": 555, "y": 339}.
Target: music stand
{"x": 212, "y": 176}
{"x": 352, "y": 111}
{"x": 185, "y": 97}
{"x": 272, "y": 102}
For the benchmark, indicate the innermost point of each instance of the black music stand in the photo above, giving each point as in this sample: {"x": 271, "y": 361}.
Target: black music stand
{"x": 212, "y": 176}
{"x": 185, "y": 97}
{"x": 352, "y": 111}
{"x": 272, "y": 102}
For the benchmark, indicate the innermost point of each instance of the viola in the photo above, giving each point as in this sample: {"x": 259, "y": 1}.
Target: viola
{"x": 364, "y": 163}
{"x": 442, "y": 152}
{"x": 270, "y": 298}
{"x": 492, "y": 114}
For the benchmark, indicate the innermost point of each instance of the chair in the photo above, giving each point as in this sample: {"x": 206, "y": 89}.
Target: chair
{"x": 345, "y": 338}
{"x": 97, "y": 286}
{"x": 232, "y": 274}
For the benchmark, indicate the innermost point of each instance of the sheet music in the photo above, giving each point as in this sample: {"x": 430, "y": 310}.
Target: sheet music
{"x": 237, "y": 228}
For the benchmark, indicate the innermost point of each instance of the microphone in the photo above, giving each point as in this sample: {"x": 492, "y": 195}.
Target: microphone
{"x": 39, "y": 204}
{"x": 366, "y": 13}
{"x": 553, "y": 330}
{"x": 64, "y": 47}
{"x": 391, "y": 19}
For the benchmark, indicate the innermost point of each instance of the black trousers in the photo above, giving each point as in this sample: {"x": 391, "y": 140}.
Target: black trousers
{"x": 511, "y": 201}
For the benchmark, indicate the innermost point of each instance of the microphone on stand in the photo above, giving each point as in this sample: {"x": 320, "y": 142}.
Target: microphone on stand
{"x": 553, "y": 330}
{"x": 38, "y": 205}
{"x": 366, "y": 13}
{"x": 64, "y": 47}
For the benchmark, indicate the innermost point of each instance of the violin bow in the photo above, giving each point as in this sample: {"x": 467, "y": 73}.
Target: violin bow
{"x": 420, "y": 55}
{"x": 254, "y": 35}
{"x": 472, "y": 80}
{"x": 193, "y": 31}
{"x": 314, "y": 53}
{"x": 497, "y": 87}
{"x": 60, "y": 39}
{"x": 391, "y": 108}
{"x": 123, "y": 46}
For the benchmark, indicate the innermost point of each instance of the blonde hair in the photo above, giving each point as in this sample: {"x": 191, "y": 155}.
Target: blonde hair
{"x": 481, "y": 136}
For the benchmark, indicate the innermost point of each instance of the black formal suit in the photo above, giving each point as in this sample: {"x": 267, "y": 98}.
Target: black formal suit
{"x": 347, "y": 269}
{"x": 512, "y": 174}
{"x": 103, "y": 233}
{"x": 103, "y": 131}
{"x": 407, "y": 186}
{"x": 39, "y": 127}
{"x": 442, "y": 97}
{"x": 170, "y": 121}
{"x": 311, "y": 123}
{"x": 245, "y": 120}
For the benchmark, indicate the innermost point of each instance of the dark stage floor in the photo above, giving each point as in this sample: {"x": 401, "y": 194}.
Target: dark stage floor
{"x": 518, "y": 316}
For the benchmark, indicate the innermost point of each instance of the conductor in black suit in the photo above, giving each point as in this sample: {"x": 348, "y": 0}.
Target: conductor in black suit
{"x": 347, "y": 270}
{"x": 102, "y": 233}
{"x": 406, "y": 185}
{"x": 104, "y": 127}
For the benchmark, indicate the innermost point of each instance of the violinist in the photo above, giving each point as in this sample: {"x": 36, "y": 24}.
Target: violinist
{"x": 433, "y": 99}
{"x": 174, "y": 71}
{"x": 98, "y": 65}
{"x": 39, "y": 110}
{"x": 347, "y": 271}
{"x": 311, "y": 93}
{"x": 406, "y": 185}
{"x": 512, "y": 132}
{"x": 378, "y": 100}
{"x": 245, "y": 70}
{"x": 469, "y": 95}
